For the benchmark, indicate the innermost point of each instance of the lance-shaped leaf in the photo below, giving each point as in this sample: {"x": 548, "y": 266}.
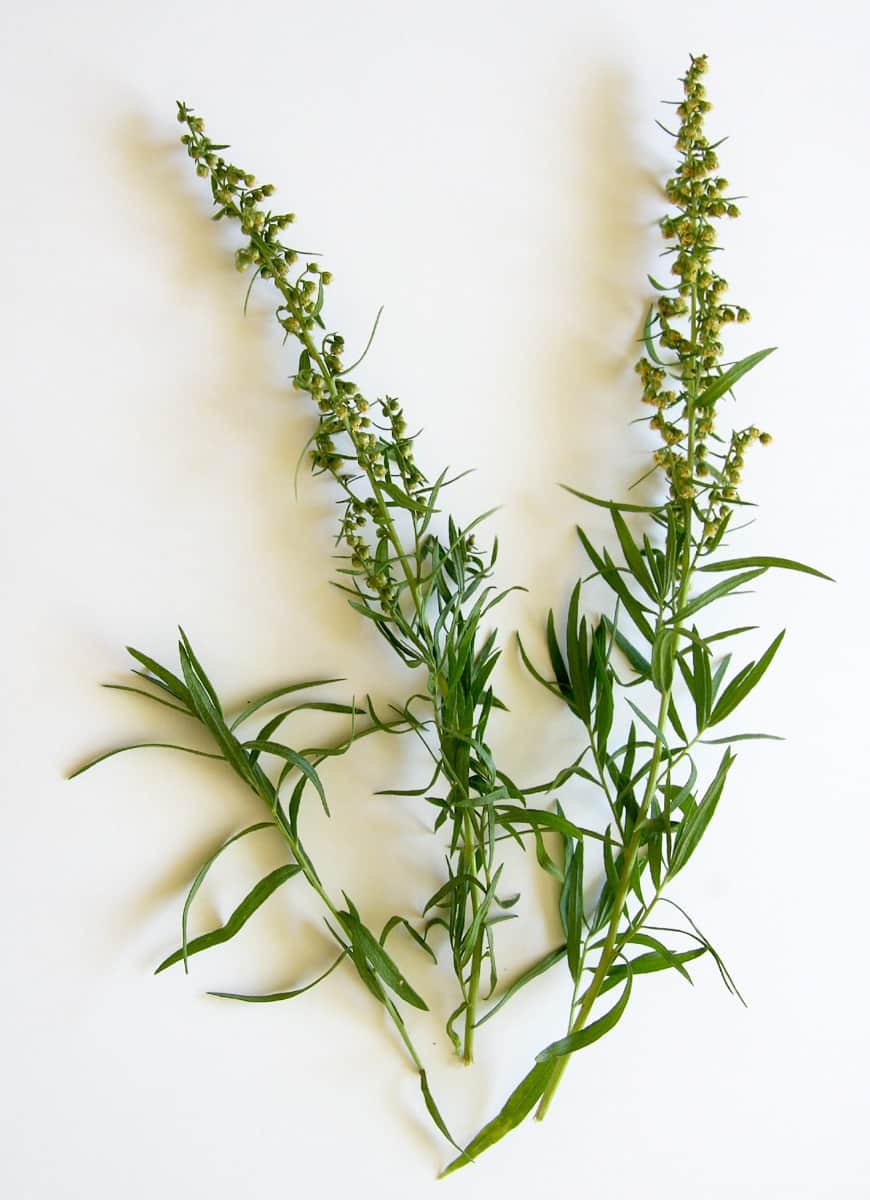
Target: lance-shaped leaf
{"x": 743, "y": 682}
{"x": 295, "y": 759}
{"x": 207, "y": 706}
{"x": 728, "y": 378}
{"x": 761, "y": 560}
{"x": 140, "y": 746}
{"x": 513, "y": 1112}
{"x": 274, "y": 997}
{"x": 200, "y": 876}
{"x": 633, "y": 557}
{"x": 580, "y": 1038}
{"x": 610, "y": 573}
{"x": 257, "y": 896}
{"x": 368, "y": 946}
{"x": 695, "y": 823}
{"x": 645, "y": 964}
{"x": 532, "y": 972}
{"x": 716, "y": 592}
{"x": 571, "y": 907}
{"x": 275, "y": 694}
{"x": 162, "y": 677}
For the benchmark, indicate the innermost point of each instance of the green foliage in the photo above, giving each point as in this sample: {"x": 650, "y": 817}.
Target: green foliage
{"x": 650, "y": 663}
{"x": 659, "y": 815}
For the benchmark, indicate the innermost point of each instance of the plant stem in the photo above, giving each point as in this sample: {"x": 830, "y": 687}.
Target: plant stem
{"x": 313, "y": 880}
{"x": 610, "y": 949}
{"x": 608, "y": 952}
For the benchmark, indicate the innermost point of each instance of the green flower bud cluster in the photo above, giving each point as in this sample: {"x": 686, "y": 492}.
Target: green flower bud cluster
{"x": 687, "y": 320}
{"x": 361, "y": 457}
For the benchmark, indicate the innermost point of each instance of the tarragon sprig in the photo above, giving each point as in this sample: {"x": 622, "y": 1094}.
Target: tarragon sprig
{"x": 659, "y": 809}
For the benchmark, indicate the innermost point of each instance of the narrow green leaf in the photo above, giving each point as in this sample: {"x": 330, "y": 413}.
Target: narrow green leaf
{"x": 633, "y": 557}
{"x": 200, "y": 876}
{"x": 591, "y": 1033}
{"x": 273, "y": 997}
{"x": 401, "y": 499}
{"x": 204, "y": 700}
{"x": 532, "y": 972}
{"x": 658, "y": 734}
{"x": 258, "y": 894}
{"x": 571, "y": 909}
{"x": 716, "y": 592}
{"x": 165, "y": 679}
{"x": 740, "y": 687}
{"x": 140, "y": 746}
{"x": 742, "y": 737}
{"x": 702, "y": 689}
{"x": 638, "y": 662}
{"x": 123, "y": 687}
{"x": 759, "y": 560}
{"x": 728, "y": 378}
{"x": 395, "y": 922}
{"x": 253, "y": 705}
{"x": 539, "y": 818}
{"x": 534, "y": 672}
{"x": 516, "y": 1108}
{"x": 645, "y": 964}
{"x": 469, "y": 940}
{"x": 432, "y": 1109}
{"x": 201, "y": 675}
{"x": 693, "y": 826}
{"x": 380, "y": 961}
{"x": 662, "y": 661}
{"x": 295, "y": 759}
{"x": 611, "y": 504}
{"x": 558, "y": 663}
{"x": 647, "y": 336}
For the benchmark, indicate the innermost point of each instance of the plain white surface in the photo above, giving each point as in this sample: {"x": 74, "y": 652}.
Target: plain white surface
{"x": 488, "y": 173}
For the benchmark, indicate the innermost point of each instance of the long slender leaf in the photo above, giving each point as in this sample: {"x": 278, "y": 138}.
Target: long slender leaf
{"x": 611, "y": 504}
{"x": 693, "y": 826}
{"x": 257, "y": 896}
{"x": 380, "y": 961}
{"x": 163, "y": 677}
{"x": 740, "y": 687}
{"x": 201, "y": 874}
{"x": 273, "y": 997}
{"x": 590, "y": 1033}
{"x": 516, "y": 1108}
{"x": 141, "y": 746}
{"x": 633, "y": 556}
{"x": 644, "y": 964}
{"x": 295, "y": 759}
{"x": 532, "y": 972}
{"x": 123, "y": 687}
{"x": 761, "y": 560}
{"x": 728, "y": 378}
{"x": 275, "y": 694}
{"x": 716, "y": 592}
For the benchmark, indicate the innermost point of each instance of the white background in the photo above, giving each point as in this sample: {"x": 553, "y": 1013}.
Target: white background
{"x": 488, "y": 172}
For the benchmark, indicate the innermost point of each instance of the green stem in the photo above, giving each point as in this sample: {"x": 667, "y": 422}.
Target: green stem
{"x": 611, "y": 946}
{"x": 608, "y": 953}
{"x": 420, "y": 642}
